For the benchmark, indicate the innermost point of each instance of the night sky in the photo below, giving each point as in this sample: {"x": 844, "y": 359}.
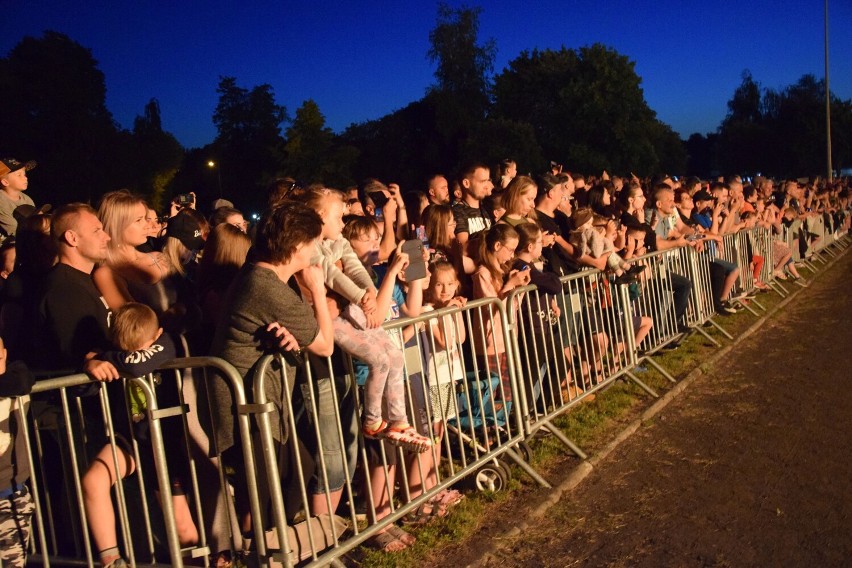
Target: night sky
{"x": 362, "y": 60}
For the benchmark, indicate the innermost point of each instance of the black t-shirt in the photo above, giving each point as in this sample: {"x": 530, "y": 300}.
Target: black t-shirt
{"x": 72, "y": 320}
{"x": 631, "y": 222}
{"x": 471, "y": 220}
{"x": 556, "y": 259}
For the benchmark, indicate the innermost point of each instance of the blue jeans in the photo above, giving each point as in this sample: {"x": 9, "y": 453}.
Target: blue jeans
{"x": 328, "y": 443}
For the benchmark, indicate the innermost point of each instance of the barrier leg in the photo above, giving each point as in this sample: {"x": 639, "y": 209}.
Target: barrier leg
{"x": 559, "y": 435}
{"x": 713, "y": 322}
{"x": 707, "y": 335}
{"x": 642, "y": 385}
{"x": 659, "y": 368}
{"x": 528, "y": 469}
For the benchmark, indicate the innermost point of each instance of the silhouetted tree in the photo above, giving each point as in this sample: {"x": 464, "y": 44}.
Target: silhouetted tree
{"x": 588, "y": 110}
{"x": 54, "y": 111}
{"x": 782, "y": 133}
{"x": 464, "y": 65}
{"x": 159, "y": 153}
{"x": 248, "y": 148}
{"x": 313, "y": 153}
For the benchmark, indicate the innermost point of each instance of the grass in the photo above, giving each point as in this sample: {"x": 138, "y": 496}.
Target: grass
{"x": 590, "y": 426}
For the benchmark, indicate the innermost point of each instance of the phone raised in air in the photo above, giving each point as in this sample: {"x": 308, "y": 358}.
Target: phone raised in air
{"x": 378, "y": 198}
{"x": 416, "y": 268}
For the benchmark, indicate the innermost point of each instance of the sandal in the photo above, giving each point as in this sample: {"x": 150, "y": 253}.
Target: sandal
{"x": 448, "y": 497}
{"x": 374, "y": 433}
{"x": 405, "y": 538}
{"x": 425, "y": 513}
{"x": 385, "y": 542}
{"x": 405, "y": 436}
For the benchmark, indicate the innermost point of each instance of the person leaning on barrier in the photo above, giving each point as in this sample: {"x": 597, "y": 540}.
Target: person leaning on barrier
{"x": 704, "y": 215}
{"x": 71, "y": 316}
{"x": 671, "y": 233}
{"x": 140, "y": 348}
{"x": 262, "y": 312}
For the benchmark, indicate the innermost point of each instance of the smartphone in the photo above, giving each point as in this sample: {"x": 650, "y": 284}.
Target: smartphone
{"x": 416, "y": 268}
{"x": 379, "y": 198}
{"x": 377, "y": 213}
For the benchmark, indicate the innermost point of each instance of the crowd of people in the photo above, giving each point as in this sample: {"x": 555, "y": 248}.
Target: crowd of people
{"x": 119, "y": 290}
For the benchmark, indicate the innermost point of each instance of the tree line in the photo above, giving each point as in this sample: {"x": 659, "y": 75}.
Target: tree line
{"x": 581, "y": 107}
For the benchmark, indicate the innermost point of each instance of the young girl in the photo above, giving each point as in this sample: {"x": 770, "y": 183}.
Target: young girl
{"x": 356, "y": 328}
{"x": 392, "y": 300}
{"x": 519, "y": 200}
{"x": 493, "y": 279}
{"x": 442, "y": 343}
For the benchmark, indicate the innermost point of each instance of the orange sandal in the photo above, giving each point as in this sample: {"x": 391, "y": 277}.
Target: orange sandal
{"x": 405, "y": 436}
{"x": 376, "y": 433}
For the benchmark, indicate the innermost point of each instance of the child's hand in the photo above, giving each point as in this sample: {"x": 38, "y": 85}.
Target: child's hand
{"x": 400, "y": 261}
{"x": 373, "y": 321}
{"x": 519, "y": 277}
{"x": 368, "y": 302}
{"x": 103, "y": 371}
{"x": 458, "y": 302}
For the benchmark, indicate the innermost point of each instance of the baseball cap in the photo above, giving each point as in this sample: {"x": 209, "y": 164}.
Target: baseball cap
{"x": 12, "y": 165}
{"x": 186, "y": 229}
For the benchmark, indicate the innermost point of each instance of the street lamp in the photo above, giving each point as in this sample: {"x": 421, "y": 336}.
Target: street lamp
{"x": 212, "y": 165}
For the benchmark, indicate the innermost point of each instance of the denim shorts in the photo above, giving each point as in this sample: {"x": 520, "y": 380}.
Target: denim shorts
{"x": 728, "y": 266}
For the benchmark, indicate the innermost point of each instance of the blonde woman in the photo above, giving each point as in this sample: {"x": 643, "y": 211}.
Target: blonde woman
{"x": 129, "y": 275}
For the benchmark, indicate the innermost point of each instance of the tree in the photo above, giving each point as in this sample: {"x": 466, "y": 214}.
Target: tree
{"x": 55, "y": 112}
{"x": 248, "y": 147}
{"x": 461, "y": 95}
{"x": 782, "y": 133}
{"x": 743, "y": 134}
{"x": 313, "y": 153}
{"x": 400, "y": 147}
{"x": 587, "y": 110}
{"x": 160, "y": 154}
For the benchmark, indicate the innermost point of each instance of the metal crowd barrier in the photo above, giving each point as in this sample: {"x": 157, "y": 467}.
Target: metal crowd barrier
{"x": 564, "y": 358}
{"x": 764, "y": 239}
{"x": 478, "y": 411}
{"x": 656, "y": 298}
{"x": 70, "y": 419}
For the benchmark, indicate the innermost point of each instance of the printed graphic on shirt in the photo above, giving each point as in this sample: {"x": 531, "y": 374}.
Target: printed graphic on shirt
{"x": 142, "y": 355}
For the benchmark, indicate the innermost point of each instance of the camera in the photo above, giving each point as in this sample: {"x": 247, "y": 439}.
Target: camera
{"x": 185, "y": 199}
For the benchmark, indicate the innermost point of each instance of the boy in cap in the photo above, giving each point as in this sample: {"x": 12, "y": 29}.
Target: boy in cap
{"x": 13, "y": 184}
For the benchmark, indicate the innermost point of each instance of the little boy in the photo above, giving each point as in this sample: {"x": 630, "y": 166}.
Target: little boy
{"x": 143, "y": 348}
{"x": 590, "y": 238}
{"x": 13, "y": 184}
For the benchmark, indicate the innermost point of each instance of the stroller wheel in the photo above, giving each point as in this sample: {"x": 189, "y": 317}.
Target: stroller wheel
{"x": 525, "y": 451}
{"x": 493, "y": 477}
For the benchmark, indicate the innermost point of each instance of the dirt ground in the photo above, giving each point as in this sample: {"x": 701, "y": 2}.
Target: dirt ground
{"x": 748, "y": 467}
